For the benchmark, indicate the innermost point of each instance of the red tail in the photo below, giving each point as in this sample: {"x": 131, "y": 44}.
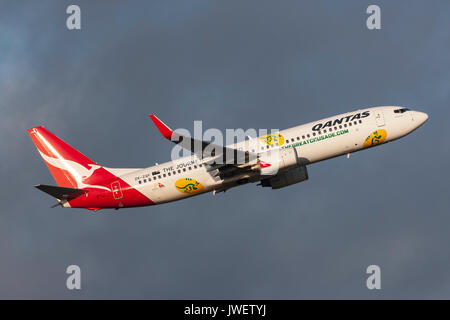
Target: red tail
{"x": 100, "y": 187}
{"x": 68, "y": 166}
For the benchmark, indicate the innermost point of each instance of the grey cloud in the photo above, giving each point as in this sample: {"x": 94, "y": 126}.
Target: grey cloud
{"x": 231, "y": 64}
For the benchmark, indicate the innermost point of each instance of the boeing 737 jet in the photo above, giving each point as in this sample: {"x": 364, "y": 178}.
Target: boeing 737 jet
{"x": 275, "y": 160}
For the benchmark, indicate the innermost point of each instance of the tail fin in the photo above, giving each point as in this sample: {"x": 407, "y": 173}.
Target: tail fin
{"x": 68, "y": 166}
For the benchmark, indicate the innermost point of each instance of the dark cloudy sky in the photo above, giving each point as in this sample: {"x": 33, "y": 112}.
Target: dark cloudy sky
{"x": 232, "y": 64}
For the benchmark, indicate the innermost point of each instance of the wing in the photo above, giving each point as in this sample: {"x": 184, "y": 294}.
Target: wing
{"x": 220, "y": 161}
{"x": 217, "y": 155}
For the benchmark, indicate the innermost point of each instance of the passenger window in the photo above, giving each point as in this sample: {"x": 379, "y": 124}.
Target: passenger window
{"x": 159, "y": 177}
{"x": 303, "y": 137}
{"x": 179, "y": 171}
{"x": 325, "y": 131}
{"x": 335, "y": 128}
{"x": 164, "y": 175}
{"x": 195, "y": 167}
{"x": 140, "y": 181}
{"x": 314, "y": 134}
{"x": 145, "y": 180}
{"x": 350, "y": 124}
{"x": 184, "y": 169}
{"x": 190, "y": 168}
{"x": 340, "y": 127}
{"x": 360, "y": 121}
{"x": 345, "y": 125}
{"x": 308, "y": 135}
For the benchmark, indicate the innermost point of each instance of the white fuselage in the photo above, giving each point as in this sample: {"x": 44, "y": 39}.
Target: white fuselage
{"x": 314, "y": 141}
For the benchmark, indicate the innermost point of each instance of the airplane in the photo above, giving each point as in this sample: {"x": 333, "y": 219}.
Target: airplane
{"x": 275, "y": 160}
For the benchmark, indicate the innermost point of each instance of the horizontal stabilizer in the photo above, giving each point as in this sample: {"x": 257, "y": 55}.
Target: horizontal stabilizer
{"x": 61, "y": 193}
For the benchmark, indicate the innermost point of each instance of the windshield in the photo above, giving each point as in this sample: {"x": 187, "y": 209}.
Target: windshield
{"x": 401, "y": 110}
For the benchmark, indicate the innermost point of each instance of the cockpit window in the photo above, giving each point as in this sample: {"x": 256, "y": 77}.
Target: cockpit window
{"x": 401, "y": 110}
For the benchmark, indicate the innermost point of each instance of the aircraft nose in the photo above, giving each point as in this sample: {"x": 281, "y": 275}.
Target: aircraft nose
{"x": 420, "y": 117}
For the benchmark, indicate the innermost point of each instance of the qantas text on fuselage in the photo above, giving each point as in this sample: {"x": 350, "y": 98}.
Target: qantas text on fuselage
{"x": 274, "y": 160}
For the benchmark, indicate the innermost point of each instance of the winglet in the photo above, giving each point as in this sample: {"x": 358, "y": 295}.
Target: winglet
{"x": 162, "y": 127}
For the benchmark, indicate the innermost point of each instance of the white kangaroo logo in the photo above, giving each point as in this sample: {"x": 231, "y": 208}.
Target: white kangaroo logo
{"x": 77, "y": 170}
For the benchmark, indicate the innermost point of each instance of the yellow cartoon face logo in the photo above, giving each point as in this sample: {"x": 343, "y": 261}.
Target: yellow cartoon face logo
{"x": 273, "y": 139}
{"x": 188, "y": 185}
{"x": 375, "y": 138}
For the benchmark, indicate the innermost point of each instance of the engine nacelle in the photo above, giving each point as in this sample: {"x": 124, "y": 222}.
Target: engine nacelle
{"x": 276, "y": 161}
{"x": 286, "y": 178}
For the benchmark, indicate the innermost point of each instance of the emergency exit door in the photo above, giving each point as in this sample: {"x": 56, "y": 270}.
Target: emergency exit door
{"x": 116, "y": 190}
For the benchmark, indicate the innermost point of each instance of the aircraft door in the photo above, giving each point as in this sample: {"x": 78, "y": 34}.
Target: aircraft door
{"x": 116, "y": 190}
{"x": 379, "y": 117}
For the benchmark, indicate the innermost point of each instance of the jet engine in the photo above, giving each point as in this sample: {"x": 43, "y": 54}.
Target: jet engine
{"x": 287, "y": 178}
